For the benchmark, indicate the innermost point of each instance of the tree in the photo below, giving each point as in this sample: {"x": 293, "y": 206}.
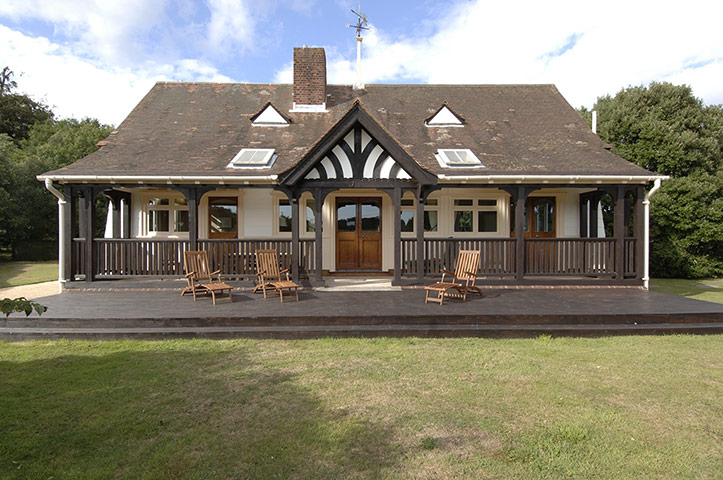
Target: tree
{"x": 18, "y": 112}
{"x": 49, "y": 146}
{"x": 665, "y": 129}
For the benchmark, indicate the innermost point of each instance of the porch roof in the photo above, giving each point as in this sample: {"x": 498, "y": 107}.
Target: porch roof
{"x": 193, "y": 130}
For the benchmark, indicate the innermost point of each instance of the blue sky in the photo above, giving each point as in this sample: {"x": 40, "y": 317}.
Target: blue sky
{"x": 97, "y": 58}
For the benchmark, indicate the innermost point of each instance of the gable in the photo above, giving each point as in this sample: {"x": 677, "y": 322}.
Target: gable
{"x": 269, "y": 116}
{"x": 445, "y": 117}
{"x": 357, "y": 155}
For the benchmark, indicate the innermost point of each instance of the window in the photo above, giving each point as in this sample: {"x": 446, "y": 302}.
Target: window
{"x": 253, "y": 158}
{"x": 284, "y": 215}
{"x": 430, "y": 215}
{"x": 223, "y": 217}
{"x": 310, "y": 215}
{"x": 167, "y": 215}
{"x": 457, "y": 158}
{"x": 474, "y": 215}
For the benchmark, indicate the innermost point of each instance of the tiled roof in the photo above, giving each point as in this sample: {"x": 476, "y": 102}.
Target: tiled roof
{"x": 197, "y": 128}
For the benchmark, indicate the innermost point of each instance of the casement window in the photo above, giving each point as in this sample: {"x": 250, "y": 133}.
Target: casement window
{"x": 431, "y": 215}
{"x": 472, "y": 215}
{"x": 284, "y": 215}
{"x": 309, "y": 216}
{"x": 167, "y": 214}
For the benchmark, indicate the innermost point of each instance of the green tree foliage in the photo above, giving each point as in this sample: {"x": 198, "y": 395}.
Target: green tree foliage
{"x": 667, "y": 130}
{"x": 18, "y": 113}
{"x": 663, "y": 128}
{"x": 22, "y": 304}
{"x": 31, "y": 212}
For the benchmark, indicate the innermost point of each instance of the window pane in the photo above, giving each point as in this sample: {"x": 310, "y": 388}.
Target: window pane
{"x": 430, "y": 220}
{"x": 543, "y": 215}
{"x": 487, "y": 203}
{"x": 486, "y": 221}
{"x": 432, "y": 202}
{"x": 346, "y": 216}
{"x": 154, "y": 202}
{"x": 407, "y": 220}
{"x": 463, "y": 203}
{"x": 158, "y": 220}
{"x": 284, "y": 216}
{"x": 180, "y": 222}
{"x": 371, "y": 214}
{"x": 463, "y": 221}
{"x": 407, "y": 203}
{"x": 310, "y": 219}
{"x": 224, "y": 215}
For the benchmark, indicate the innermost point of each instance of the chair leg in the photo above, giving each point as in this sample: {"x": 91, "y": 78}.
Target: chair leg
{"x": 213, "y": 295}
{"x": 281, "y": 294}
{"x": 296, "y": 290}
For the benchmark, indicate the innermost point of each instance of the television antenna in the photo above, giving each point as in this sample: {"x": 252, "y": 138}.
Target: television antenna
{"x": 361, "y": 25}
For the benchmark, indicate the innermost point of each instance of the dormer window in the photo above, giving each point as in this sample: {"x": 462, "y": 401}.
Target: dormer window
{"x": 457, "y": 158}
{"x": 269, "y": 117}
{"x": 253, "y": 158}
{"x": 445, "y": 117}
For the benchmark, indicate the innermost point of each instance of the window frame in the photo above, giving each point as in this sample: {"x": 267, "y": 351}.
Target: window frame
{"x": 475, "y": 209}
{"x": 443, "y": 158}
{"x": 427, "y": 208}
{"x": 172, "y": 208}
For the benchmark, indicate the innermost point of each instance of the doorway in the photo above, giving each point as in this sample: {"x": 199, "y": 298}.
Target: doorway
{"x": 358, "y": 234}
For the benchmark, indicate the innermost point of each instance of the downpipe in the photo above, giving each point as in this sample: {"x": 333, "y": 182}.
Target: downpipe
{"x": 646, "y": 233}
{"x": 61, "y": 232}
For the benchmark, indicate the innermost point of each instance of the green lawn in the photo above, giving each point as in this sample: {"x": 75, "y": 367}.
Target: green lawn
{"x": 615, "y": 407}
{"x": 710, "y": 290}
{"x": 24, "y": 273}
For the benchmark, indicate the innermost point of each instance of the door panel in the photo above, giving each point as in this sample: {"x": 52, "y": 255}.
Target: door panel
{"x": 358, "y": 234}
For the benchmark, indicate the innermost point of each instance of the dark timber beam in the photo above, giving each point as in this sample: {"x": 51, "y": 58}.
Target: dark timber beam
{"x": 295, "y": 250}
{"x": 619, "y": 229}
{"x": 397, "y": 207}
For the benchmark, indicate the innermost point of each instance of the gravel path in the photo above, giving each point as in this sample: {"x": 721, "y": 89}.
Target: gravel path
{"x": 30, "y": 292}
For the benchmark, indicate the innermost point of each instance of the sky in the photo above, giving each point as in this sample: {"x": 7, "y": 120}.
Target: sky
{"x": 98, "y": 58}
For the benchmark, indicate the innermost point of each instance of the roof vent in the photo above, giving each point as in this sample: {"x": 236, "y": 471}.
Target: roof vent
{"x": 445, "y": 117}
{"x": 270, "y": 117}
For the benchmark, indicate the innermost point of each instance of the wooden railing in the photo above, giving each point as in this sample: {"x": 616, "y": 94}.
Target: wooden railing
{"x": 497, "y": 255}
{"x": 149, "y": 257}
{"x": 570, "y": 256}
{"x": 631, "y": 244}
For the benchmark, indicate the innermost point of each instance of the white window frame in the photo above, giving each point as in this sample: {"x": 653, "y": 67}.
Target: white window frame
{"x": 268, "y": 159}
{"x": 475, "y": 208}
{"x": 427, "y": 208}
{"x": 442, "y": 157}
{"x": 171, "y": 208}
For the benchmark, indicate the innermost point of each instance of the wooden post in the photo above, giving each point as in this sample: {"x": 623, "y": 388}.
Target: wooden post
{"x": 397, "y": 207}
{"x": 619, "y": 229}
{"x": 419, "y": 228}
{"x": 318, "y": 225}
{"x": 594, "y": 210}
{"x": 295, "y": 259}
{"x": 520, "y": 201}
{"x": 584, "y": 214}
{"x": 89, "y": 211}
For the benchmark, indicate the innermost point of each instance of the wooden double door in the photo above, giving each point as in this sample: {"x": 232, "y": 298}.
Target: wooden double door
{"x": 358, "y": 234}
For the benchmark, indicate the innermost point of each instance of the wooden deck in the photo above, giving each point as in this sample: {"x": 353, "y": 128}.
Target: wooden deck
{"x": 157, "y": 310}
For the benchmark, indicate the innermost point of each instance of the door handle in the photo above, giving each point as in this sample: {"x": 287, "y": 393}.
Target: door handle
{"x": 362, "y": 235}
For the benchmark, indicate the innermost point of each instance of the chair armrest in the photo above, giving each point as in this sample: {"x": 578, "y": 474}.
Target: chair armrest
{"x": 447, "y": 272}
{"x": 190, "y": 274}
{"x": 286, "y": 270}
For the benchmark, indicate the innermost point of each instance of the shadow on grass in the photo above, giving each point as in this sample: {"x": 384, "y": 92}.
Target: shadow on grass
{"x": 166, "y": 413}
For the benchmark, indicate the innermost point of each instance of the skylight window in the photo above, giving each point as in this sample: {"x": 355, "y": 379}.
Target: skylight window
{"x": 253, "y": 158}
{"x": 458, "y": 158}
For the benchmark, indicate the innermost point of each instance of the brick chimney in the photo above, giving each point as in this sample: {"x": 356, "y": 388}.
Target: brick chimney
{"x": 309, "y": 79}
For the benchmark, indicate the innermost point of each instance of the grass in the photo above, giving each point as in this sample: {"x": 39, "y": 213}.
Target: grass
{"x": 13, "y": 274}
{"x": 617, "y": 407}
{"x": 710, "y": 290}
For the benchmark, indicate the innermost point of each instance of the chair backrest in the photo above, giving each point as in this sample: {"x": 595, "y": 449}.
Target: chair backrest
{"x": 267, "y": 261}
{"x": 196, "y": 261}
{"x": 467, "y": 265}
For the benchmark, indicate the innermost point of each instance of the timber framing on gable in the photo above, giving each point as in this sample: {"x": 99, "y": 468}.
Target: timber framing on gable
{"x": 343, "y": 156}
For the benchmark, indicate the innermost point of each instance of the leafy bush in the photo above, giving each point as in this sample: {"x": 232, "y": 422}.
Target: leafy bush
{"x": 22, "y": 304}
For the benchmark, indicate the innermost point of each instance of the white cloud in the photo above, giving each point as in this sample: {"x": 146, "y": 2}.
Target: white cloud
{"x": 76, "y": 87}
{"x": 587, "y": 50}
{"x": 230, "y": 27}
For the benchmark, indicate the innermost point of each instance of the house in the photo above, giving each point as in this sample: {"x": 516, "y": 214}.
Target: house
{"x": 385, "y": 179}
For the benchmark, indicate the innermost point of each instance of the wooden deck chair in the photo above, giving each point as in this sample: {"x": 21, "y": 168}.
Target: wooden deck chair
{"x": 463, "y": 279}
{"x": 200, "y": 278}
{"x": 269, "y": 275}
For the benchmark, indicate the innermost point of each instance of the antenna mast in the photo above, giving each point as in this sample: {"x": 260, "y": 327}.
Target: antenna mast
{"x": 360, "y": 25}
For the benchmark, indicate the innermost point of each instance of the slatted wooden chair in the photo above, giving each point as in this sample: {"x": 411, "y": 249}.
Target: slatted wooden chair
{"x": 269, "y": 275}
{"x": 463, "y": 279}
{"x": 200, "y": 278}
